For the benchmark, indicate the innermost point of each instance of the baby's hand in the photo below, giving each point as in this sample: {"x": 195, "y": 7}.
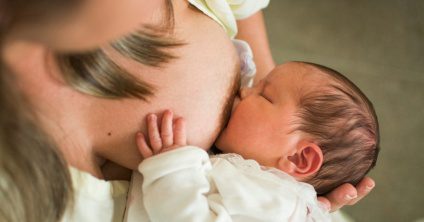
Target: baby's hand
{"x": 172, "y": 135}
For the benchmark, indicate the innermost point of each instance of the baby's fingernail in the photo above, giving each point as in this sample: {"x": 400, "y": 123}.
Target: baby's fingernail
{"x": 152, "y": 116}
{"x": 350, "y": 197}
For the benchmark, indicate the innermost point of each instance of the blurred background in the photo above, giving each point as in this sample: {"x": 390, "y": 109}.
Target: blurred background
{"x": 379, "y": 45}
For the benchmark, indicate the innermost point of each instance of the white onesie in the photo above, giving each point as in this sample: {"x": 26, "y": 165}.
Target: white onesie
{"x": 186, "y": 185}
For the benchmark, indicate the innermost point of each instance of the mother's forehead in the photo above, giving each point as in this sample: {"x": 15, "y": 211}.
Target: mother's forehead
{"x": 73, "y": 26}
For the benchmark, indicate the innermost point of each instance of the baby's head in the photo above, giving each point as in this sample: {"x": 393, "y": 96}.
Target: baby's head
{"x": 308, "y": 121}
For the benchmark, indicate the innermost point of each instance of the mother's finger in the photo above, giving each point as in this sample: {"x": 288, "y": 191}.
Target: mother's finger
{"x": 363, "y": 188}
{"x": 324, "y": 201}
{"x": 341, "y": 196}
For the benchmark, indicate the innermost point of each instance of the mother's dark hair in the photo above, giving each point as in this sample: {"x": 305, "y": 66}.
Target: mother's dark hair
{"x": 34, "y": 180}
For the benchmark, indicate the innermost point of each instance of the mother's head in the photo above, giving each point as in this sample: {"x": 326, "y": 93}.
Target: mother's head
{"x": 35, "y": 185}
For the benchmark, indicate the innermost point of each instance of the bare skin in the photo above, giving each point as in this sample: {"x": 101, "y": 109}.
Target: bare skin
{"x": 90, "y": 141}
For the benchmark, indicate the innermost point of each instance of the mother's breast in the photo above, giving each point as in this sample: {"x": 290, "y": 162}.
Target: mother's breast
{"x": 199, "y": 84}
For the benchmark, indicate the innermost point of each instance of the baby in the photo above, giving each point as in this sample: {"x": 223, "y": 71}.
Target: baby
{"x": 303, "y": 125}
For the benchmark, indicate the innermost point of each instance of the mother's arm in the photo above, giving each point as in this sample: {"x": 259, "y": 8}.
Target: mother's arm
{"x": 253, "y": 31}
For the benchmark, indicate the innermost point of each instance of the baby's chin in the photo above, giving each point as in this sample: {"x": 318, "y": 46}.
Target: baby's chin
{"x": 220, "y": 144}
{"x": 217, "y": 144}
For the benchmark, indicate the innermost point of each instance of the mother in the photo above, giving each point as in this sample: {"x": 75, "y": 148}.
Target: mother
{"x": 85, "y": 101}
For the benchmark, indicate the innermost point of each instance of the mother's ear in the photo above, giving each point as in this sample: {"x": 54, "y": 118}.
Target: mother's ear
{"x": 305, "y": 162}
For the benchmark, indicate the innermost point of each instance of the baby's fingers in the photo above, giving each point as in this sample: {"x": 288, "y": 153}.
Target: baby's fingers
{"x": 142, "y": 146}
{"x": 180, "y": 137}
{"x": 166, "y": 129}
{"x": 153, "y": 131}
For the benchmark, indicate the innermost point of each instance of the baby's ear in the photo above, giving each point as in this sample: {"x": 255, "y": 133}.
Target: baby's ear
{"x": 305, "y": 162}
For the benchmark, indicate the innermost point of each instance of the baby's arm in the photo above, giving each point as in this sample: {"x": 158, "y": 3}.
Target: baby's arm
{"x": 175, "y": 186}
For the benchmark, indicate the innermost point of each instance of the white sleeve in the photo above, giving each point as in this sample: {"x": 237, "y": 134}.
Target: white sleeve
{"x": 226, "y": 12}
{"x": 94, "y": 199}
{"x": 245, "y": 8}
{"x": 176, "y": 187}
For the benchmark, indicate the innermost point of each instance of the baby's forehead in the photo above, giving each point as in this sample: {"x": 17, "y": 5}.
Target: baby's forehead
{"x": 300, "y": 76}
{"x": 302, "y": 81}
{"x": 301, "y": 70}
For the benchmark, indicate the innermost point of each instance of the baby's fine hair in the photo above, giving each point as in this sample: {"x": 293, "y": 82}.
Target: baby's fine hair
{"x": 341, "y": 120}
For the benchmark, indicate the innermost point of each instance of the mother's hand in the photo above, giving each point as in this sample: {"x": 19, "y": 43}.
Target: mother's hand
{"x": 347, "y": 194}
